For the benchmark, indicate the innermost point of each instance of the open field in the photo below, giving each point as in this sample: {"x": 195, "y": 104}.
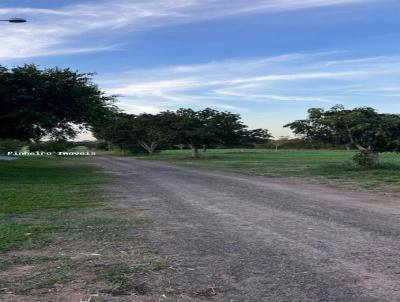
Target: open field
{"x": 321, "y": 166}
{"x": 60, "y": 237}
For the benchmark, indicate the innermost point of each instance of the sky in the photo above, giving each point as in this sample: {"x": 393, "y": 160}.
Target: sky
{"x": 268, "y": 60}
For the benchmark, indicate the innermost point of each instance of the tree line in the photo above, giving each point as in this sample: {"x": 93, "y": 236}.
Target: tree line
{"x": 195, "y": 129}
{"x": 58, "y": 103}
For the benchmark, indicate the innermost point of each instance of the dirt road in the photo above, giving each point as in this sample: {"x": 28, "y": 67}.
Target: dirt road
{"x": 240, "y": 238}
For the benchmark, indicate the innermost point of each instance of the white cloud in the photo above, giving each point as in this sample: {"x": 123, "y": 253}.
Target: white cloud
{"x": 156, "y": 87}
{"x": 270, "y": 97}
{"x": 294, "y": 77}
{"x": 91, "y": 26}
{"x": 139, "y": 108}
{"x": 320, "y": 79}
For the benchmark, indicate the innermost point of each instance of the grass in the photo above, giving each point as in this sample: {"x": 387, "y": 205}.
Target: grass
{"x": 121, "y": 276}
{"x": 29, "y": 186}
{"x": 33, "y": 184}
{"x": 322, "y": 166}
{"x": 58, "y": 227}
{"x": 14, "y": 235}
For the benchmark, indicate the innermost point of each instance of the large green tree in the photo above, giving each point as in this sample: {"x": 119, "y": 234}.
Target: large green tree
{"x": 117, "y": 129}
{"x": 369, "y": 131}
{"x": 129, "y": 131}
{"x": 311, "y": 129}
{"x": 153, "y": 130}
{"x": 49, "y": 102}
{"x": 199, "y": 129}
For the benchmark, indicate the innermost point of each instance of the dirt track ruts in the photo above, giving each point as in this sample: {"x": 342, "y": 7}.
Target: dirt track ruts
{"x": 243, "y": 238}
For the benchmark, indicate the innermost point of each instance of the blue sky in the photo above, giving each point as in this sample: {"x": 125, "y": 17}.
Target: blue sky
{"x": 268, "y": 60}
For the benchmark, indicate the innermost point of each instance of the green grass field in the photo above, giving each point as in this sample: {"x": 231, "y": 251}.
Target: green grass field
{"x": 322, "y": 166}
{"x": 33, "y": 186}
{"x": 54, "y": 214}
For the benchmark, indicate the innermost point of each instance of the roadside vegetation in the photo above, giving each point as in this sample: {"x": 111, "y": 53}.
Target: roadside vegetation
{"x": 333, "y": 167}
{"x": 60, "y": 238}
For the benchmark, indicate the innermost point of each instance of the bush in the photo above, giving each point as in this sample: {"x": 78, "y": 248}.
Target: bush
{"x": 50, "y": 146}
{"x": 102, "y": 145}
{"x": 91, "y": 145}
{"x": 360, "y": 159}
{"x": 10, "y": 145}
{"x": 366, "y": 159}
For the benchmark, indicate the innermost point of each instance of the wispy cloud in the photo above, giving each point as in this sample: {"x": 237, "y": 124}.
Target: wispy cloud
{"x": 315, "y": 79}
{"x": 92, "y": 26}
{"x": 155, "y": 87}
{"x": 270, "y": 97}
{"x": 137, "y": 108}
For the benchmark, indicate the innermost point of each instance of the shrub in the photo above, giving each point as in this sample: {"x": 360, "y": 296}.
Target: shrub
{"x": 10, "y": 145}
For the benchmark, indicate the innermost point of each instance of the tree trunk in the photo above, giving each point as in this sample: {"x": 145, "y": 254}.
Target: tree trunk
{"x": 195, "y": 151}
{"x": 204, "y": 148}
{"x": 368, "y": 158}
{"x": 149, "y": 148}
{"x": 371, "y": 157}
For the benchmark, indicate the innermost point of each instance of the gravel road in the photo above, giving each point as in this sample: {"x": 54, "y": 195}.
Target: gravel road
{"x": 243, "y": 238}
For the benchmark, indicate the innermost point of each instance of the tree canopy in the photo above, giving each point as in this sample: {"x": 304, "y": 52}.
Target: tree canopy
{"x": 255, "y": 136}
{"x": 369, "y": 131}
{"x": 205, "y": 127}
{"x": 196, "y": 129}
{"x": 49, "y": 102}
{"x": 129, "y": 131}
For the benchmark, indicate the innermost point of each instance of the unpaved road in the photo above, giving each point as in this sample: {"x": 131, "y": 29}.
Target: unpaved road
{"x": 241, "y": 238}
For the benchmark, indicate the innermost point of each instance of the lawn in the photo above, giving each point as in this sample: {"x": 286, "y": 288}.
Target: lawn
{"x": 31, "y": 186}
{"x": 321, "y": 166}
{"x": 61, "y": 235}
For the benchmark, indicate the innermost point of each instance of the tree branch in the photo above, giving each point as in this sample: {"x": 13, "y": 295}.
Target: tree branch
{"x": 352, "y": 140}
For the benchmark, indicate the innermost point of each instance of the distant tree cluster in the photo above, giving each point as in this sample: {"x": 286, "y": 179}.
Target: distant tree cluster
{"x": 186, "y": 127}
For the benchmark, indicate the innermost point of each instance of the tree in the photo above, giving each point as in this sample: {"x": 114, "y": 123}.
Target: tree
{"x": 255, "y": 136}
{"x": 50, "y": 102}
{"x": 152, "y": 130}
{"x": 128, "y": 131}
{"x": 208, "y": 126}
{"x": 119, "y": 130}
{"x": 369, "y": 131}
{"x": 310, "y": 129}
